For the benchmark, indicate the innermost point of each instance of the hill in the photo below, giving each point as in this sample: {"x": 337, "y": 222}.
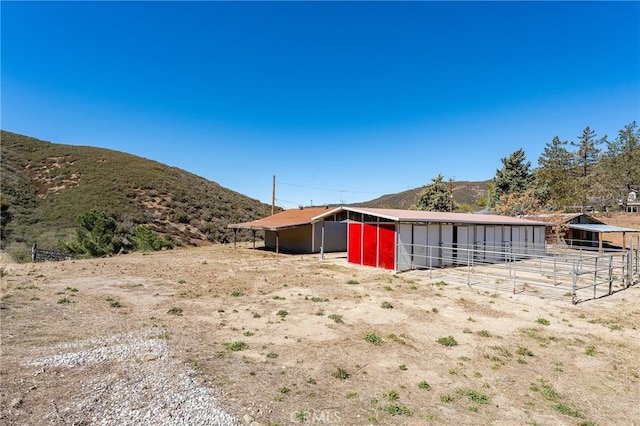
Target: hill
{"x": 48, "y": 185}
{"x": 467, "y": 195}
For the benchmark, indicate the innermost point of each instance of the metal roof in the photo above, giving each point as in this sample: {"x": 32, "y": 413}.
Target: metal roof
{"x": 398, "y": 215}
{"x": 284, "y": 220}
{"x": 592, "y": 227}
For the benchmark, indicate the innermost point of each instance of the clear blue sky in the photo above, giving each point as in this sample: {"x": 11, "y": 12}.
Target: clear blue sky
{"x": 342, "y": 101}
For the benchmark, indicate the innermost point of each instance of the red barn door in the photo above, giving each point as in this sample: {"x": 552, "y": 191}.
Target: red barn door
{"x": 370, "y": 245}
{"x": 387, "y": 246}
{"x": 354, "y": 248}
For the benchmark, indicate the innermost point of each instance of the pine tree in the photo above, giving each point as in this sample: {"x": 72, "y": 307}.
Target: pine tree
{"x": 554, "y": 176}
{"x": 621, "y": 164}
{"x": 434, "y": 196}
{"x": 586, "y": 157}
{"x": 515, "y": 176}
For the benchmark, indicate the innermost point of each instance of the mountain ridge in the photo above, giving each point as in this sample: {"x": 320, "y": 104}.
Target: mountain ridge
{"x": 46, "y": 186}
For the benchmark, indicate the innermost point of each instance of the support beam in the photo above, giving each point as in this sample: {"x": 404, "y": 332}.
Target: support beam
{"x": 254, "y": 238}
{"x": 600, "y": 241}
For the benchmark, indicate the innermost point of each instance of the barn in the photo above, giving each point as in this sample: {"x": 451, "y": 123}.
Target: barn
{"x": 401, "y": 240}
{"x": 298, "y": 230}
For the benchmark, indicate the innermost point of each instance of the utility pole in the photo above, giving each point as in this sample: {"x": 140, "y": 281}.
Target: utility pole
{"x": 451, "y": 195}
{"x": 273, "y": 196}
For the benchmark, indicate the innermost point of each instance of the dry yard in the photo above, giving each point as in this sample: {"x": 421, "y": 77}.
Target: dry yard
{"x": 209, "y": 334}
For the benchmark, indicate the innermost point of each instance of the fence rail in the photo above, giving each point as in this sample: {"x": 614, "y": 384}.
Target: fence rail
{"x": 558, "y": 271}
{"x": 51, "y": 255}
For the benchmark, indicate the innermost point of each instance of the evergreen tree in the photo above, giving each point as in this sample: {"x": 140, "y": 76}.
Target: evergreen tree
{"x": 554, "y": 176}
{"x": 588, "y": 152}
{"x": 434, "y": 196}
{"x": 515, "y": 176}
{"x": 97, "y": 236}
{"x": 586, "y": 157}
{"x": 621, "y": 164}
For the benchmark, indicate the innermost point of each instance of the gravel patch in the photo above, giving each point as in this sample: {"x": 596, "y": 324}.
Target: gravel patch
{"x": 142, "y": 386}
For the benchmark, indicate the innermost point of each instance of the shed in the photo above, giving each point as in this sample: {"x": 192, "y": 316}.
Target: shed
{"x": 579, "y": 229}
{"x": 297, "y": 231}
{"x": 410, "y": 239}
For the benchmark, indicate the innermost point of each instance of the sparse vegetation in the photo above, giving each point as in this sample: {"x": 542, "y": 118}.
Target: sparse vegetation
{"x": 340, "y": 374}
{"x": 397, "y": 410}
{"x": 424, "y": 385}
{"x": 336, "y": 318}
{"x": 543, "y": 321}
{"x": 447, "y": 341}
{"x": 175, "y": 311}
{"x": 373, "y": 338}
{"x": 237, "y": 346}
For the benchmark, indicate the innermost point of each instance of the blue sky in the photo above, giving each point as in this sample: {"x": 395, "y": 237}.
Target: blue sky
{"x": 341, "y": 101}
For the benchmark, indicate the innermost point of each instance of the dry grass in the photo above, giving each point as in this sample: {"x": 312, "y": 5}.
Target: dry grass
{"x": 503, "y": 370}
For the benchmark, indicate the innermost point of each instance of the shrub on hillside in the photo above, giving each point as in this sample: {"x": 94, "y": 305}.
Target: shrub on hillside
{"x": 97, "y": 236}
{"x": 147, "y": 240}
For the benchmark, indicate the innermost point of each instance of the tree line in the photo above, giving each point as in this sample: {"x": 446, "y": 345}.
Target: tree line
{"x": 571, "y": 176}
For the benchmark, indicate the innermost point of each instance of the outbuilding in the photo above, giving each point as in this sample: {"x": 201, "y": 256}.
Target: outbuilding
{"x": 580, "y": 230}
{"x": 299, "y": 231}
{"x": 411, "y": 239}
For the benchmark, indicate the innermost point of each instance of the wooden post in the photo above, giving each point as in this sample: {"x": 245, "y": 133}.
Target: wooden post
{"x": 254, "y": 238}
{"x": 600, "y": 241}
{"x": 277, "y": 242}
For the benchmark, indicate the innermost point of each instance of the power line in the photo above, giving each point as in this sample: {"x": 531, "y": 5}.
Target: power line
{"x": 329, "y": 190}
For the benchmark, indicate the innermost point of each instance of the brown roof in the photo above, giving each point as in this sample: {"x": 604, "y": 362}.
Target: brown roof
{"x": 426, "y": 216}
{"x": 561, "y": 218}
{"x": 283, "y": 220}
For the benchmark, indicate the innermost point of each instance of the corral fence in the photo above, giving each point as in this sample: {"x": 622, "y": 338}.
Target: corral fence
{"x": 51, "y": 255}
{"x": 578, "y": 273}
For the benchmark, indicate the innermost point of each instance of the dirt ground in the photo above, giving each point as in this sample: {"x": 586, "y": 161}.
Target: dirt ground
{"x": 286, "y": 339}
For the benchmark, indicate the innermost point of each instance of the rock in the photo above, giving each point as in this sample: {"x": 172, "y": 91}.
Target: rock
{"x": 16, "y": 402}
{"x": 247, "y": 419}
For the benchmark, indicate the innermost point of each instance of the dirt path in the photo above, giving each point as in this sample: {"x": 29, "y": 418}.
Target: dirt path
{"x": 286, "y": 339}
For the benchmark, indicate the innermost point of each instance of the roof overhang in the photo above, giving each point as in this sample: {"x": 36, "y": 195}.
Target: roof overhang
{"x": 592, "y": 227}
{"x": 419, "y": 216}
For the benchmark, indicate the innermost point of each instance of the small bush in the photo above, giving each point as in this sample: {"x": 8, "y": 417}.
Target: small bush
{"x": 237, "y": 293}
{"x": 447, "y": 341}
{"x": 543, "y": 321}
{"x": 64, "y": 301}
{"x": 424, "y": 385}
{"x": 272, "y": 355}
{"x": 175, "y": 311}
{"x": 336, "y": 318}
{"x": 282, "y": 313}
{"x": 386, "y": 305}
{"x": 397, "y": 410}
{"x": 392, "y": 395}
{"x": 590, "y": 350}
{"x": 373, "y": 338}
{"x": 352, "y": 282}
{"x": 561, "y": 408}
{"x": 340, "y": 374}
{"x": 237, "y": 346}
{"x": 523, "y": 351}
